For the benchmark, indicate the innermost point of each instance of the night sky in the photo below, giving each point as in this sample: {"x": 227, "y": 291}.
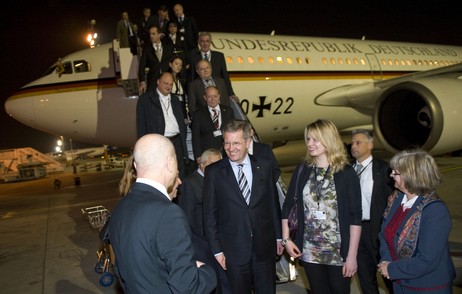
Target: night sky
{"x": 36, "y": 33}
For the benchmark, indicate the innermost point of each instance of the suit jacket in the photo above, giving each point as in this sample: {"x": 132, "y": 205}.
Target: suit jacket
{"x": 145, "y": 25}
{"x": 164, "y": 28}
{"x": 261, "y": 150}
{"x": 123, "y": 34}
{"x": 219, "y": 69}
{"x": 150, "y": 117}
{"x": 190, "y": 200}
{"x": 190, "y": 31}
{"x": 202, "y": 129}
{"x": 196, "y": 94}
{"x": 232, "y": 226}
{"x": 140, "y": 231}
{"x": 156, "y": 66}
{"x": 381, "y": 189}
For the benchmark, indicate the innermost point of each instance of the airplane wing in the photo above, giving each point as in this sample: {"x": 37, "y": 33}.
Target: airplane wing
{"x": 422, "y": 109}
{"x": 363, "y": 96}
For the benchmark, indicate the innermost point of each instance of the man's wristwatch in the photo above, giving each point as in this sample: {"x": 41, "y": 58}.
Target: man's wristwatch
{"x": 284, "y": 242}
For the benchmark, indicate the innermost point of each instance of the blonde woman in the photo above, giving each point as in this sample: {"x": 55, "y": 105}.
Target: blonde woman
{"x": 328, "y": 211}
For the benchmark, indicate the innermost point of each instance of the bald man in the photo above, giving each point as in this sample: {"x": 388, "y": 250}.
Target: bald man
{"x": 149, "y": 257}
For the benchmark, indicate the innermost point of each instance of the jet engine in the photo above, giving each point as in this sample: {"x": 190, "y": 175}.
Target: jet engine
{"x": 424, "y": 113}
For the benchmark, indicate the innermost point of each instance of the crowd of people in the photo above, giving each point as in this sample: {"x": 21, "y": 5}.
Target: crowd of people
{"x": 219, "y": 227}
{"x": 176, "y": 66}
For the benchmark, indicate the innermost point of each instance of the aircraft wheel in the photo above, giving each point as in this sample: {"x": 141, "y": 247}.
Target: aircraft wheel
{"x": 106, "y": 279}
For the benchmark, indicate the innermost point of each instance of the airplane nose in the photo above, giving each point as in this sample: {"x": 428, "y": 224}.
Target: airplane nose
{"x": 21, "y": 109}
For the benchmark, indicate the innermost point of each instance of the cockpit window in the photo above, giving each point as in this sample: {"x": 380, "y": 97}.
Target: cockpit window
{"x": 66, "y": 67}
{"x": 81, "y": 66}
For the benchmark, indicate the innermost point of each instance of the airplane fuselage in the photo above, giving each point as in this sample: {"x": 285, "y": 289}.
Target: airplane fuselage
{"x": 284, "y": 83}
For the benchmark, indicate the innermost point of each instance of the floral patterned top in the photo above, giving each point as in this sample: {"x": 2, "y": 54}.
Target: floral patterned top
{"x": 321, "y": 236}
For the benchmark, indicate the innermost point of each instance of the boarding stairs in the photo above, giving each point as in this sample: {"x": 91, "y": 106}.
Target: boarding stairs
{"x": 11, "y": 158}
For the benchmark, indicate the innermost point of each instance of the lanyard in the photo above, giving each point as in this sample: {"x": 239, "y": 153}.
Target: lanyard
{"x": 364, "y": 168}
{"x": 319, "y": 184}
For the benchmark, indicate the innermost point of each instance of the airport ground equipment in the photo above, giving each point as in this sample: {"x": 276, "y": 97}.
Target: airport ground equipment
{"x": 97, "y": 217}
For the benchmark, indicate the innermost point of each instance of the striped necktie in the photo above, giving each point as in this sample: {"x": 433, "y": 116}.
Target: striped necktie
{"x": 215, "y": 118}
{"x": 243, "y": 185}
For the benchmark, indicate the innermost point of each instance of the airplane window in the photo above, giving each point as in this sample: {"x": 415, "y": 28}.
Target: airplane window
{"x": 403, "y": 62}
{"x": 348, "y": 61}
{"x": 299, "y": 60}
{"x": 332, "y": 60}
{"x": 340, "y": 60}
{"x": 355, "y": 61}
{"x": 81, "y": 66}
{"x": 307, "y": 60}
{"x": 240, "y": 59}
{"x": 396, "y": 61}
{"x": 280, "y": 60}
{"x": 425, "y": 62}
{"x": 390, "y": 62}
{"x": 408, "y": 62}
{"x": 324, "y": 60}
{"x": 384, "y": 61}
{"x": 250, "y": 60}
{"x": 229, "y": 59}
{"x": 261, "y": 59}
{"x": 363, "y": 61}
{"x": 289, "y": 60}
{"x": 270, "y": 60}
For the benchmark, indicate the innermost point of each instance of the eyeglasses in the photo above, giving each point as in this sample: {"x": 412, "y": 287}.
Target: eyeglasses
{"x": 394, "y": 173}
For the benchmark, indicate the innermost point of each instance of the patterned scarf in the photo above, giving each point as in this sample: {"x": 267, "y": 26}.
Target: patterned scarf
{"x": 408, "y": 237}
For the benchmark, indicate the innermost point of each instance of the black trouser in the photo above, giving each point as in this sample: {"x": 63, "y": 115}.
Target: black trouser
{"x": 326, "y": 279}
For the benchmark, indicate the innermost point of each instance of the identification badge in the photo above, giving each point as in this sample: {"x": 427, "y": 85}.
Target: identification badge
{"x": 317, "y": 214}
{"x": 217, "y": 133}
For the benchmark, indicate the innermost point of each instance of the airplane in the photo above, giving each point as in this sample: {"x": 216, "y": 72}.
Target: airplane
{"x": 70, "y": 155}
{"x": 409, "y": 94}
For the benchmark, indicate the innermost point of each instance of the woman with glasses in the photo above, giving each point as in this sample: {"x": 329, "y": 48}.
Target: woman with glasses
{"x": 414, "y": 245}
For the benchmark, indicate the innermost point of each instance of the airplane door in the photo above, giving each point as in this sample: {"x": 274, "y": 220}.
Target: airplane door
{"x": 376, "y": 71}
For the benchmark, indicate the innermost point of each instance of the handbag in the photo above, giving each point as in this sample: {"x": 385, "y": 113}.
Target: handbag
{"x": 292, "y": 219}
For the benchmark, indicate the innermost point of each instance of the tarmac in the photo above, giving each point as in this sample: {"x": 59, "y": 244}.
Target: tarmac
{"x": 48, "y": 246}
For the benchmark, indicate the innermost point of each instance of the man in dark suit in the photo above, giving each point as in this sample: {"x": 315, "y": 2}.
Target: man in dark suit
{"x": 375, "y": 188}
{"x": 161, "y": 19}
{"x": 205, "y": 129}
{"x": 156, "y": 56}
{"x": 187, "y": 26}
{"x": 242, "y": 214}
{"x": 216, "y": 59}
{"x": 190, "y": 200}
{"x": 149, "y": 258}
{"x": 160, "y": 112}
{"x": 197, "y": 87}
{"x": 146, "y": 21}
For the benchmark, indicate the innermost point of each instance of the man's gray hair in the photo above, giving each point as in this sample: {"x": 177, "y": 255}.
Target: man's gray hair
{"x": 365, "y": 132}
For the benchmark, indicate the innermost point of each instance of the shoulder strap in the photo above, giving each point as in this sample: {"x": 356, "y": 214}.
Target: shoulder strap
{"x": 302, "y": 166}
